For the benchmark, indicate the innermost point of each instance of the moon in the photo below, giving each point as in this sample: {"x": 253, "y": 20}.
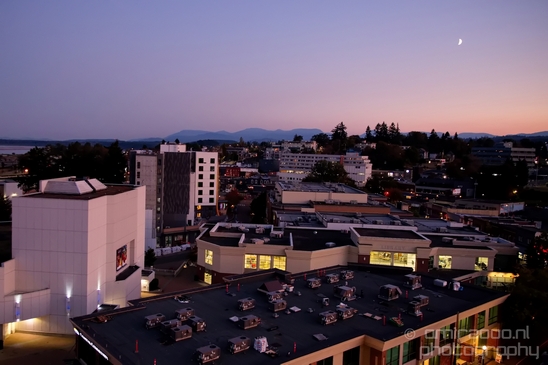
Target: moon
{"x": 460, "y": 42}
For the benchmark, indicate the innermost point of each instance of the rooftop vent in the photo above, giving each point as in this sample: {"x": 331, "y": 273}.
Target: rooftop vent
{"x": 442, "y": 229}
{"x": 207, "y": 354}
{"x": 389, "y": 292}
{"x": 330, "y": 244}
{"x": 239, "y": 344}
{"x": 412, "y": 281}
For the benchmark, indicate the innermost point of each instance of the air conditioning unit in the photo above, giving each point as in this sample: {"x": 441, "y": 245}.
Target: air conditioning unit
{"x": 378, "y": 222}
{"x": 395, "y": 223}
{"x": 442, "y": 229}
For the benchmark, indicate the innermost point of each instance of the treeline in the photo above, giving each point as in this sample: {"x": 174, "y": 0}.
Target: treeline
{"x": 107, "y": 164}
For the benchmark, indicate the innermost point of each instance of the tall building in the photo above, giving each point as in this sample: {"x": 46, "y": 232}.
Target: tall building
{"x": 296, "y": 166}
{"x": 182, "y": 188}
{"x": 76, "y": 245}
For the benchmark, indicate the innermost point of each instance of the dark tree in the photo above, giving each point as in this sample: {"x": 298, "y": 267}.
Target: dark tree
{"x": 177, "y": 140}
{"x": 259, "y": 207}
{"x": 5, "y": 209}
{"x": 297, "y": 138}
{"x": 327, "y": 171}
{"x": 115, "y": 164}
{"x": 368, "y": 134}
{"x": 150, "y": 257}
{"x": 322, "y": 139}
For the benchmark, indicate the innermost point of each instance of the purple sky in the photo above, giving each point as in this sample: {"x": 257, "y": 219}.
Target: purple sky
{"x": 132, "y": 69}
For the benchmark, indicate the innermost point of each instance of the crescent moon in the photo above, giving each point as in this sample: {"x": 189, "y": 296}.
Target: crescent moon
{"x": 460, "y": 42}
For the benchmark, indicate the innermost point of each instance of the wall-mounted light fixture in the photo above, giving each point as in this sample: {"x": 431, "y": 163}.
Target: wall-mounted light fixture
{"x": 68, "y": 306}
{"x": 17, "y": 311}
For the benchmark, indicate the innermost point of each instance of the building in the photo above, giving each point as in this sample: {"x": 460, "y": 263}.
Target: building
{"x": 294, "y": 166}
{"x": 381, "y": 322}
{"x": 501, "y": 152}
{"x": 182, "y": 189}
{"x": 275, "y": 151}
{"x": 321, "y": 240}
{"x": 479, "y": 207}
{"x": 76, "y": 245}
{"x": 9, "y": 189}
{"x": 305, "y": 192}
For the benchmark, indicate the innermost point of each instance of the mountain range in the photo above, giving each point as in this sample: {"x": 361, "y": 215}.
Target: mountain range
{"x": 248, "y": 135}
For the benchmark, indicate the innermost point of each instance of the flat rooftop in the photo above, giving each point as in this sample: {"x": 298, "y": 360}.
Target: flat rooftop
{"x": 319, "y": 187}
{"x": 312, "y": 240}
{"x": 439, "y": 241}
{"x": 250, "y": 236}
{"x": 110, "y": 190}
{"x": 389, "y": 233}
{"x": 215, "y": 306}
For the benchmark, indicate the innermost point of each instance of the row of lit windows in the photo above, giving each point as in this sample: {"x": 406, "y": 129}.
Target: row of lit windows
{"x": 252, "y": 261}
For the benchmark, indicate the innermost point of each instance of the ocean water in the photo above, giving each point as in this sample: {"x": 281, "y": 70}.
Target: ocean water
{"x": 18, "y": 150}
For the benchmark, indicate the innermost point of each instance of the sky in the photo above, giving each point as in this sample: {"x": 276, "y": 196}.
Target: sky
{"x": 138, "y": 69}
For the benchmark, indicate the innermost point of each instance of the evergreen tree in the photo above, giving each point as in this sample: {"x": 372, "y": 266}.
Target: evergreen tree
{"x": 368, "y": 134}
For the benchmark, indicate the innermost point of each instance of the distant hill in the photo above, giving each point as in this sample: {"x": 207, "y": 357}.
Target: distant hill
{"x": 467, "y": 135}
{"x": 248, "y": 135}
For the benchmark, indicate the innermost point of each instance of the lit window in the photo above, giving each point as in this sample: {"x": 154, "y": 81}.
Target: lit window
{"x": 381, "y": 258}
{"x": 279, "y": 262}
{"x": 481, "y": 263}
{"x": 208, "y": 257}
{"x": 393, "y": 356}
{"x": 445, "y": 262}
{"x": 493, "y": 314}
{"x": 264, "y": 262}
{"x": 250, "y": 262}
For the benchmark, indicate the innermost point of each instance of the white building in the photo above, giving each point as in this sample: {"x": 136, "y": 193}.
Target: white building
{"x": 75, "y": 245}
{"x": 9, "y": 189}
{"x": 275, "y": 151}
{"x": 296, "y": 166}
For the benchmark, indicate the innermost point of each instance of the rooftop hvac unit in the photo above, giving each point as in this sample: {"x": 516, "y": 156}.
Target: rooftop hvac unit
{"x": 353, "y": 202}
{"x": 414, "y": 308}
{"x": 447, "y": 240}
{"x": 243, "y": 229}
{"x": 442, "y": 229}
{"x": 347, "y": 274}
{"x": 378, "y": 222}
{"x": 259, "y": 230}
{"x": 329, "y": 201}
{"x": 207, "y": 354}
{"x": 154, "y": 320}
{"x": 165, "y": 326}
{"x": 412, "y": 281}
{"x": 440, "y": 283}
{"x": 197, "y": 324}
{"x": 275, "y": 234}
{"x": 274, "y": 295}
{"x": 346, "y": 312}
{"x": 257, "y": 241}
{"x": 330, "y": 244}
{"x": 336, "y": 220}
{"x": 345, "y": 293}
{"x": 355, "y": 220}
{"x": 180, "y": 333}
{"x": 239, "y": 344}
{"x": 248, "y": 322}
{"x": 423, "y": 300}
{"x": 395, "y": 223}
{"x": 313, "y": 283}
{"x": 261, "y": 344}
{"x": 246, "y": 304}
{"x": 328, "y": 317}
{"x": 277, "y": 305}
{"x": 389, "y": 292}
{"x": 408, "y": 221}
{"x": 331, "y": 278}
{"x": 358, "y": 215}
{"x": 183, "y": 314}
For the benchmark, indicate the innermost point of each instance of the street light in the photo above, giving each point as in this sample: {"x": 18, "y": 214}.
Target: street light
{"x": 484, "y": 348}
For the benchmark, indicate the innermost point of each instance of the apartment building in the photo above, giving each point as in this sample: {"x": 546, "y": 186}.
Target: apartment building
{"x": 337, "y": 315}
{"x": 182, "y": 189}
{"x": 294, "y": 166}
{"x": 77, "y": 245}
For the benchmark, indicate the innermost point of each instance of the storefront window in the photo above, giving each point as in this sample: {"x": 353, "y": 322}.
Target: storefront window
{"x": 381, "y": 258}
{"x": 481, "y": 263}
{"x": 279, "y": 262}
{"x": 481, "y": 320}
{"x": 250, "y": 261}
{"x": 208, "y": 257}
{"x": 208, "y": 278}
{"x": 445, "y": 262}
{"x": 264, "y": 262}
{"x": 405, "y": 259}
